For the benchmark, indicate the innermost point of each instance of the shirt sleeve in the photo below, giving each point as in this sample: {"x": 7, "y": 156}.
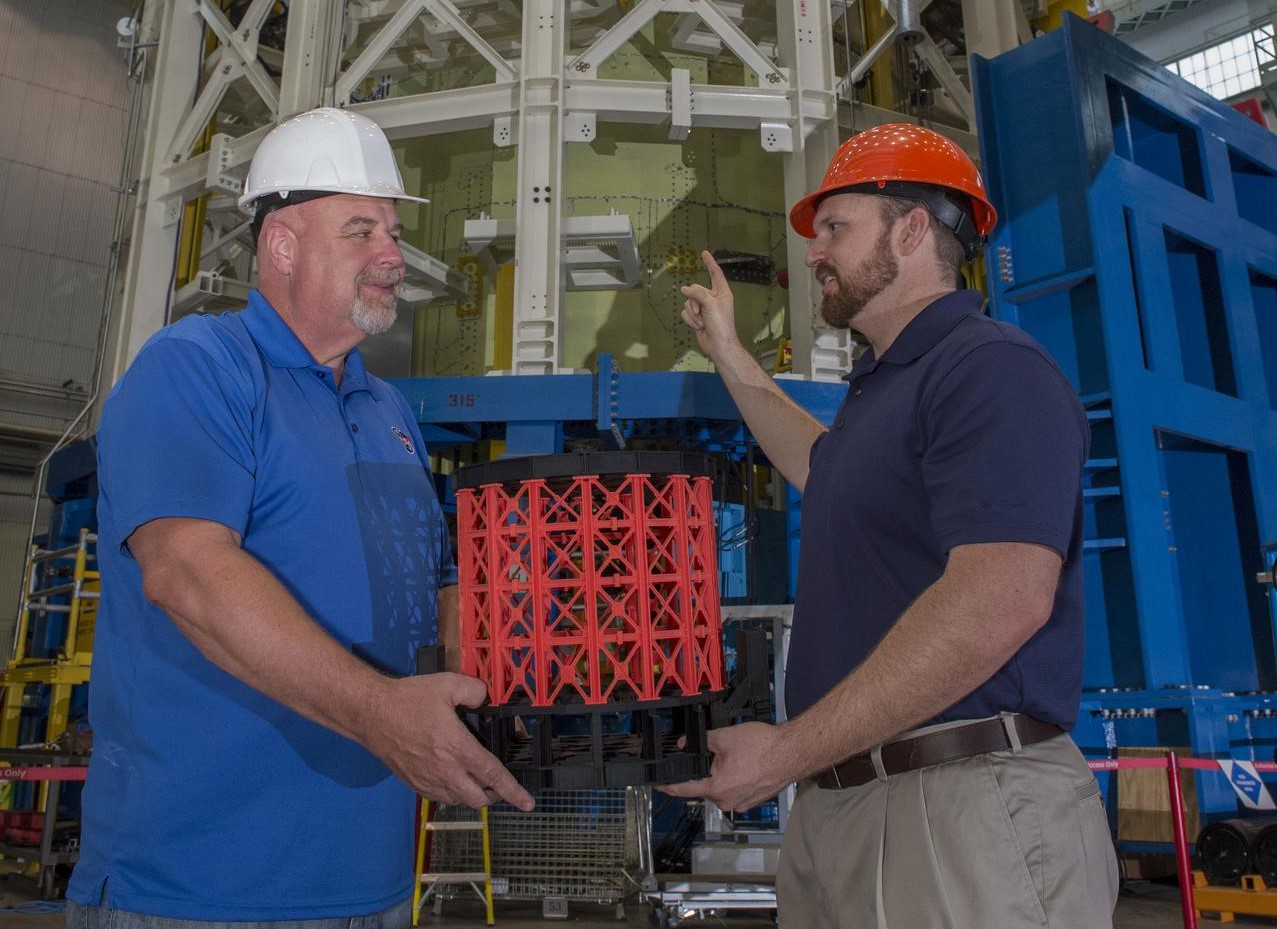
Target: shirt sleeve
{"x": 1005, "y": 440}
{"x": 176, "y": 439}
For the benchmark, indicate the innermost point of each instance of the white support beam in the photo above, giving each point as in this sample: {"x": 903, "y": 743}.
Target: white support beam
{"x": 443, "y": 110}
{"x": 605, "y": 46}
{"x": 195, "y": 122}
{"x": 147, "y": 274}
{"x": 721, "y": 24}
{"x": 235, "y": 57}
{"x": 714, "y": 105}
{"x": 310, "y": 47}
{"x": 189, "y": 178}
{"x": 587, "y": 63}
{"x": 241, "y": 45}
{"x": 538, "y": 275}
{"x": 426, "y": 278}
{"x": 376, "y": 48}
{"x": 689, "y": 33}
{"x": 599, "y": 252}
{"x": 209, "y": 291}
{"x": 401, "y": 117}
{"x": 819, "y": 352}
{"x": 680, "y": 103}
{"x": 445, "y": 13}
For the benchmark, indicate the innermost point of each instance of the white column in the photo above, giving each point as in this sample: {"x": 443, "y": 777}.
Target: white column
{"x": 153, "y": 238}
{"x": 310, "y": 50}
{"x": 538, "y": 275}
{"x": 819, "y": 351}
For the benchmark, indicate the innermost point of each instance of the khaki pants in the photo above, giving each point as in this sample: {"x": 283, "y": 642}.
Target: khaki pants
{"x": 999, "y": 841}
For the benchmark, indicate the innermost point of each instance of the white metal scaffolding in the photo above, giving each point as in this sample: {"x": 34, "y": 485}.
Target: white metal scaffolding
{"x": 541, "y": 98}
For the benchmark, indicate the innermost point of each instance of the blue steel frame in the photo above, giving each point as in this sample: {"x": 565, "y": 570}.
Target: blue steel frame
{"x": 539, "y": 411}
{"x": 537, "y": 414}
{"x": 1138, "y": 243}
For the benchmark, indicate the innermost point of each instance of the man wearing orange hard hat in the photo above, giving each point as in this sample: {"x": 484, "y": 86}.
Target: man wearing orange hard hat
{"x": 935, "y": 663}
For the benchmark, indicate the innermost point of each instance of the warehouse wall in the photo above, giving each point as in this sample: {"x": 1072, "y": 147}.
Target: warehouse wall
{"x": 63, "y": 109}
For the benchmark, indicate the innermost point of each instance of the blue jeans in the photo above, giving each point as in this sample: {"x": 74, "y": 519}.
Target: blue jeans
{"x": 101, "y": 917}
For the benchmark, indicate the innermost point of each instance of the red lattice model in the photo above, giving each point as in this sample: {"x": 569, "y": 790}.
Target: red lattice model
{"x": 589, "y": 587}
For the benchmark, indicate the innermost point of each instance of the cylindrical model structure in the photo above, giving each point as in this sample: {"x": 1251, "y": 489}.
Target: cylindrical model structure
{"x": 583, "y": 581}
{"x": 589, "y": 606}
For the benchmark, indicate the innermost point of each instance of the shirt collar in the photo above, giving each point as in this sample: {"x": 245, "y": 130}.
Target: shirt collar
{"x": 355, "y": 376}
{"x": 284, "y": 350}
{"x": 924, "y": 331}
{"x": 272, "y": 335}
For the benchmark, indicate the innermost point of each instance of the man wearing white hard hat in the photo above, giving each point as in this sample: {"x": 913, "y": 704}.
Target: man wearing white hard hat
{"x": 272, "y": 552}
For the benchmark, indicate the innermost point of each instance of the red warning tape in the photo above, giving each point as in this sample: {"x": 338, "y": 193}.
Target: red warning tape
{"x": 1197, "y": 764}
{"x": 75, "y": 773}
{"x": 1171, "y": 763}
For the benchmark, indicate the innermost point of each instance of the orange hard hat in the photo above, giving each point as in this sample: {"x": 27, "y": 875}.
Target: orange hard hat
{"x": 899, "y": 159}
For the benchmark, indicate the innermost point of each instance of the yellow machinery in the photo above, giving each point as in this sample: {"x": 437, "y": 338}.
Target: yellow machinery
{"x": 77, "y": 597}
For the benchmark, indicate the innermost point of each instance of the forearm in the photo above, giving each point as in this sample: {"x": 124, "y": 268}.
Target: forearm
{"x": 783, "y": 429}
{"x": 952, "y": 639}
{"x": 242, "y": 619}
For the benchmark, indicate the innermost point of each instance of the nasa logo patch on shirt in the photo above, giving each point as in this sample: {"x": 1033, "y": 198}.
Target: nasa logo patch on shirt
{"x": 405, "y": 439}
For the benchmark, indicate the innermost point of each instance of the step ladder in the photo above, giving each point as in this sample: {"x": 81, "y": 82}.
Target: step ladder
{"x": 428, "y": 883}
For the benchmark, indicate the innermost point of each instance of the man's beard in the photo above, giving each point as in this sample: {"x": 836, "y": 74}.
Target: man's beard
{"x": 377, "y": 316}
{"x": 875, "y": 274}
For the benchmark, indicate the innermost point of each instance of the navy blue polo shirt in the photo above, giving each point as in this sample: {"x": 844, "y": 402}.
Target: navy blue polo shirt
{"x": 964, "y": 432}
{"x": 206, "y": 799}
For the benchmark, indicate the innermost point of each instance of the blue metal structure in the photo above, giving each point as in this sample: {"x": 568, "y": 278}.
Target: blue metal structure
{"x": 538, "y": 414}
{"x": 71, "y": 484}
{"x": 535, "y": 414}
{"x": 1138, "y": 243}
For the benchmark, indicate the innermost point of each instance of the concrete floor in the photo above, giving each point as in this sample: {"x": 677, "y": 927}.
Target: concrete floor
{"x": 1143, "y": 905}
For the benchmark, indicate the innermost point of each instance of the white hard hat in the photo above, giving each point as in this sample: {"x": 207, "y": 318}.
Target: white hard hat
{"x": 328, "y": 150}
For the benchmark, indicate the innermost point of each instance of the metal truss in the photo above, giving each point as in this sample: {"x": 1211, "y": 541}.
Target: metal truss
{"x": 539, "y": 101}
{"x": 540, "y": 97}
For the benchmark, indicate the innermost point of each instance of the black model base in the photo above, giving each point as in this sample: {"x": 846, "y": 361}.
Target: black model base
{"x": 577, "y": 746}
{"x": 583, "y": 747}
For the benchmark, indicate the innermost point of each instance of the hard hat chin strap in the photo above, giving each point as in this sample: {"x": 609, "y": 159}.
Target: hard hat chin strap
{"x": 952, "y": 215}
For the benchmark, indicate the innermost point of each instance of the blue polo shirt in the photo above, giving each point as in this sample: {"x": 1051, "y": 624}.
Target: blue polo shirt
{"x": 964, "y": 432}
{"x": 205, "y": 799}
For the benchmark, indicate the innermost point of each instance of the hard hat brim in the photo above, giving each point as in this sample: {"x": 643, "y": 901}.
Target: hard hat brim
{"x": 248, "y": 203}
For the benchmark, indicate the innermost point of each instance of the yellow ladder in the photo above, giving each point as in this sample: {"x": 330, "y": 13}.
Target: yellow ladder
{"x": 432, "y": 881}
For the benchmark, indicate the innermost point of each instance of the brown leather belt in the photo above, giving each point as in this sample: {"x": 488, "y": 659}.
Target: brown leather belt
{"x": 932, "y": 748}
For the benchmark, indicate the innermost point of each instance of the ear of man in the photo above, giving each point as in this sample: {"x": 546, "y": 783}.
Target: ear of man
{"x": 912, "y": 230}
{"x": 278, "y": 244}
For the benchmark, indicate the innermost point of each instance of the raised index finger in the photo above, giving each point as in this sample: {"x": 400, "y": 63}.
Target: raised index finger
{"x": 717, "y": 281}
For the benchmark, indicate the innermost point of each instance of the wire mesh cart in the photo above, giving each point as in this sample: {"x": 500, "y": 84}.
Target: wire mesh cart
{"x": 584, "y": 846}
